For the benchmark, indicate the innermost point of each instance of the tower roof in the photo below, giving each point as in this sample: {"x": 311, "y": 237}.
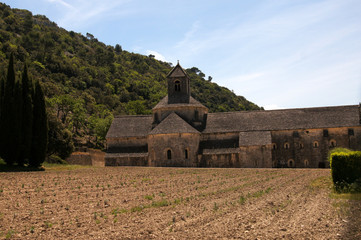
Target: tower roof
{"x": 177, "y": 71}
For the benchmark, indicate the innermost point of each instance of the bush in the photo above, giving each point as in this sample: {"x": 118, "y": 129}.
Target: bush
{"x": 338, "y": 150}
{"x": 346, "y": 169}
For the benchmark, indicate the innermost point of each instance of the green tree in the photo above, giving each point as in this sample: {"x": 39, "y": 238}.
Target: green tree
{"x": 60, "y": 141}
{"x": 2, "y": 86}
{"x": 40, "y": 128}
{"x": 118, "y": 48}
{"x": 78, "y": 116}
{"x": 27, "y": 117}
{"x": 99, "y": 124}
{"x": 10, "y": 123}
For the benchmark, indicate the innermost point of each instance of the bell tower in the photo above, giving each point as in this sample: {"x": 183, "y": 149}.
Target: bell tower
{"x": 178, "y": 86}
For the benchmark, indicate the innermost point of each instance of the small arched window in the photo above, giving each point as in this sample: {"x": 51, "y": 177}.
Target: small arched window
{"x": 315, "y": 144}
{"x": 186, "y": 153}
{"x": 306, "y": 163}
{"x": 302, "y": 146}
{"x": 291, "y": 163}
{"x": 332, "y": 143}
{"x": 286, "y": 145}
{"x": 274, "y": 146}
{"x": 169, "y": 154}
{"x": 177, "y": 86}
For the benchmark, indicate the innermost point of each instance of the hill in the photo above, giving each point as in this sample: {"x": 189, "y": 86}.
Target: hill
{"x": 86, "y": 82}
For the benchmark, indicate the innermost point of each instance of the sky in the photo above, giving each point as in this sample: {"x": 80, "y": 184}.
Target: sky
{"x": 276, "y": 53}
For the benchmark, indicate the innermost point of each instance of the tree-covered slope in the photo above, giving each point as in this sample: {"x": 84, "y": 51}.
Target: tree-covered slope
{"x": 84, "y": 78}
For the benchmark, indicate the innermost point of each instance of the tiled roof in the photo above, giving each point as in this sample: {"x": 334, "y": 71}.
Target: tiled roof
{"x": 177, "y": 71}
{"x": 254, "y": 138}
{"x": 164, "y": 104}
{"x": 173, "y": 124}
{"x": 288, "y": 119}
{"x": 130, "y": 126}
{"x": 301, "y": 118}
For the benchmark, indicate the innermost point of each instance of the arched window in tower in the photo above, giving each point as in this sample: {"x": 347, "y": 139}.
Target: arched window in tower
{"x": 169, "y": 154}
{"x": 177, "y": 86}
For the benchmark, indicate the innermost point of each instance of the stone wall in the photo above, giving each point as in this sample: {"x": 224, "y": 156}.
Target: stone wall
{"x": 310, "y": 147}
{"x": 221, "y": 160}
{"x": 91, "y": 157}
{"x": 169, "y": 150}
{"x": 256, "y": 156}
{"x": 126, "y": 159}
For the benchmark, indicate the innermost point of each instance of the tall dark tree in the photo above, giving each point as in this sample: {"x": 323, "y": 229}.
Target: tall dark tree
{"x": 40, "y": 128}
{"x": 26, "y": 118}
{"x": 2, "y": 86}
{"x": 10, "y": 122}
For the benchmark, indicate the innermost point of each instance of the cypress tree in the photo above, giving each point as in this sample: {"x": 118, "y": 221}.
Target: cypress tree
{"x": 40, "y": 128}
{"x": 10, "y": 127}
{"x": 26, "y": 118}
{"x": 2, "y": 82}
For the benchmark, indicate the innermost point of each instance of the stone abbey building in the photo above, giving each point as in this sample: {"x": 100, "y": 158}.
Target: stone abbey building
{"x": 181, "y": 133}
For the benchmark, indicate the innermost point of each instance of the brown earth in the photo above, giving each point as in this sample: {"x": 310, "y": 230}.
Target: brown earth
{"x": 175, "y": 203}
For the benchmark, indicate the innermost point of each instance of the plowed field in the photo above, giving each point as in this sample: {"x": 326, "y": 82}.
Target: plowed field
{"x": 175, "y": 203}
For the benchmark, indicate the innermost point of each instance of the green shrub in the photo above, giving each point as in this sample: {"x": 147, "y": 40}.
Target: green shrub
{"x": 346, "y": 169}
{"x": 338, "y": 150}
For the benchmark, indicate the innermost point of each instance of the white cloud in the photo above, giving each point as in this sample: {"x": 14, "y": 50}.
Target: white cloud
{"x": 61, "y": 2}
{"x": 86, "y": 12}
{"x": 157, "y": 55}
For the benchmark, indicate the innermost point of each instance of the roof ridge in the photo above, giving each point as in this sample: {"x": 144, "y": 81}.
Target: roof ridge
{"x": 177, "y": 66}
{"x": 175, "y": 118}
{"x": 127, "y": 116}
{"x": 283, "y": 110}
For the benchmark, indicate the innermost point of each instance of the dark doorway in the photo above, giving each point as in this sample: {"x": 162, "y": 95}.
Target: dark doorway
{"x": 321, "y": 165}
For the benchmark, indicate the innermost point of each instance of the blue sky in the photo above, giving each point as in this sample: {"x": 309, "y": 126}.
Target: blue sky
{"x": 277, "y": 54}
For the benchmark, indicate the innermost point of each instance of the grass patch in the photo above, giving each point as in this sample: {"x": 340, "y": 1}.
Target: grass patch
{"x": 45, "y": 167}
{"x": 347, "y": 196}
{"x": 63, "y": 167}
{"x": 321, "y": 182}
{"x": 148, "y": 197}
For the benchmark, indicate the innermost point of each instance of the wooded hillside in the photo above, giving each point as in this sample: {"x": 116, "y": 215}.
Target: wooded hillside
{"x": 86, "y": 82}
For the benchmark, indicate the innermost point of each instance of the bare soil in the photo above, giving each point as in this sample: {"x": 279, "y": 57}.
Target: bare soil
{"x": 175, "y": 203}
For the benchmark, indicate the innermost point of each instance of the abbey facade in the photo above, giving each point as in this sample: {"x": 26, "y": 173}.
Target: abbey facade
{"x": 181, "y": 133}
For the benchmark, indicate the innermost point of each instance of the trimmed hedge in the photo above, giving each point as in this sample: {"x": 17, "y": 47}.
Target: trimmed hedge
{"x": 345, "y": 167}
